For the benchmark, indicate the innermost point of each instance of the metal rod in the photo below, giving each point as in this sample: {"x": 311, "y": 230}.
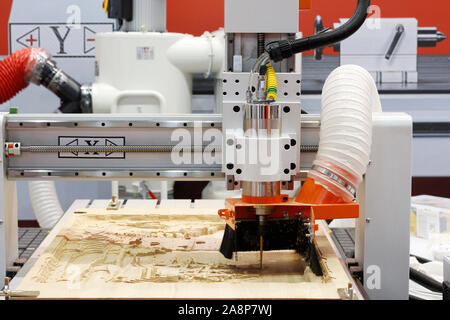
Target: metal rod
{"x": 129, "y": 149}
{"x": 398, "y": 35}
{"x": 133, "y": 149}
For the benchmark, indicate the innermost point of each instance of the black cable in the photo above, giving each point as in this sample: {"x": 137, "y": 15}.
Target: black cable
{"x": 425, "y": 281}
{"x": 415, "y": 298}
{"x": 284, "y": 49}
{"x": 67, "y": 89}
{"x": 420, "y": 259}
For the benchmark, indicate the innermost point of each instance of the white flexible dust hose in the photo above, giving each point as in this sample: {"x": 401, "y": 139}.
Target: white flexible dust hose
{"x": 45, "y": 203}
{"x": 349, "y": 98}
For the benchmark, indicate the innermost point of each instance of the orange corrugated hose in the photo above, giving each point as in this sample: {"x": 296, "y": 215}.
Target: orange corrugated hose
{"x": 14, "y": 71}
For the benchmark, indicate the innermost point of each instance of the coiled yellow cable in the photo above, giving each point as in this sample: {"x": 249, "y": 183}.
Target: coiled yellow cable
{"x": 271, "y": 83}
{"x": 105, "y": 5}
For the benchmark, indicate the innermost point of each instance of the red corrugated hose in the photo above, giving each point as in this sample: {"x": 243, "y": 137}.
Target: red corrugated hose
{"x": 14, "y": 72}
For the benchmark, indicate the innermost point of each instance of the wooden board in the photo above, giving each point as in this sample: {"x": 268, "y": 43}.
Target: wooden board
{"x": 170, "y": 253}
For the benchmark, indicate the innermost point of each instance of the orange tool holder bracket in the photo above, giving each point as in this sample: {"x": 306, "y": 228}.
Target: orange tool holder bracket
{"x": 237, "y": 209}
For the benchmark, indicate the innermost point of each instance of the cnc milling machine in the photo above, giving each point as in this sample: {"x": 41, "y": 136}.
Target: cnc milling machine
{"x": 354, "y": 160}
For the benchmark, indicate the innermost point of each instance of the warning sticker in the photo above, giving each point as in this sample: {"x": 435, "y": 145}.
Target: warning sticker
{"x": 91, "y": 141}
{"x": 61, "y": 40}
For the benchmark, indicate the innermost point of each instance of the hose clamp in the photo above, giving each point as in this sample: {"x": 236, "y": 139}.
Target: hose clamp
{"x": 86, "y": 99}
{"x": 209, "y": 37}
{"x": 36, "y": 64}
{"x": 336, "y": 178}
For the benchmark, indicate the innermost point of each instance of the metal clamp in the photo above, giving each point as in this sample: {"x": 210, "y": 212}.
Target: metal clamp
{"x": 336, "y": 178}
{"x": 319, "y": 29}
{"x": 209, "y": 36}
{"x": 8, "y": 293}
{"x": 114, "y": 204}
{"x": 12, "y": 149}
{"x": 226, "y": 214}
{"x": 349, "y": 292}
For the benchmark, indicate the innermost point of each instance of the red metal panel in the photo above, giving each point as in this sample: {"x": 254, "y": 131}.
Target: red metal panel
{"x": 196, "y": 16}
{"x": 5, "y": 9}
{"x": 305, "y": 4}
